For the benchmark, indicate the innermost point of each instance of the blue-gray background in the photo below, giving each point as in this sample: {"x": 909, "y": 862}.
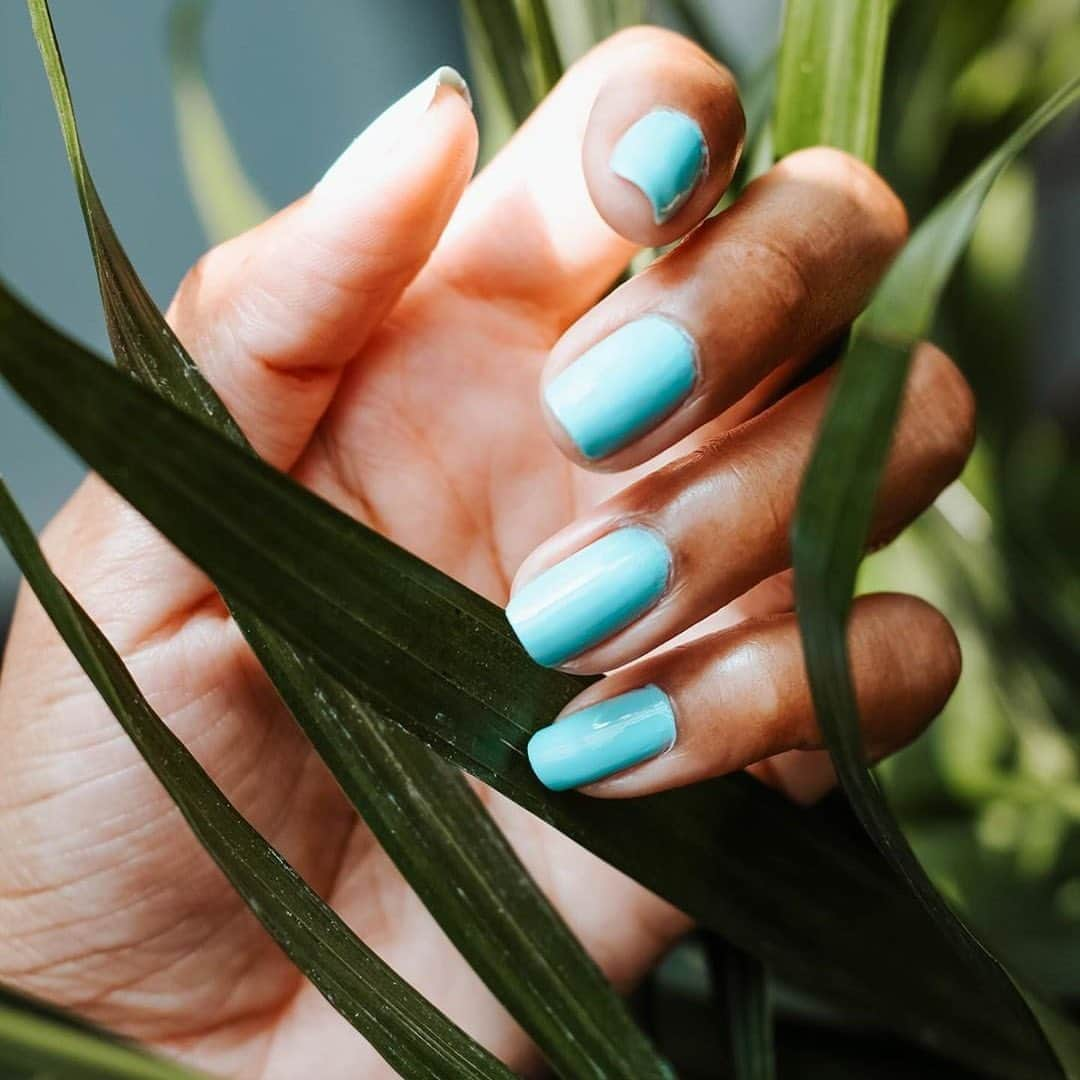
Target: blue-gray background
{"x": 295, "y": 83}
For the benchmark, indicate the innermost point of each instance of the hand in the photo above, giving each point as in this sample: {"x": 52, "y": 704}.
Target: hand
{"x": 383, "y": 340}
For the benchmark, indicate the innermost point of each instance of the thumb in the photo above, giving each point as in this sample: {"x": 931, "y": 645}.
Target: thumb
{"x": 272, "y": 317}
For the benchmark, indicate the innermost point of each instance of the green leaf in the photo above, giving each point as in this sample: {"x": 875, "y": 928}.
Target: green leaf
{"x": 411, "y": 1034}
{"x": 543, "y": 46}
{"x": 422, "y": 811}
{"x": 785, "y": 883}
{"x": 828, "y": 89}
{"x": 781, "y": 882}
{"x": 36, "y": 1037}
{"x": 833, "y": 518}
{"x": 495, "y": 29}
{"x": 226, "y": 200}
{"x": 741, "y": 985}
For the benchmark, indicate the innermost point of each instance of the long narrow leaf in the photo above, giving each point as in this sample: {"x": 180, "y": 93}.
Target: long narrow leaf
{"x": 835, "y": 508}
{"x": 819, "y": 907}
{"x": 38, "y": 1039}
{"x": 540, "y": 36}
{"x": 828, "y": 88}
{"x": 420, "y": 808}
{"x": 411, "y": 1034}
{"x": 225, "y": 198}
{"x": 829, "y": 91}
{"x": 741, "y": 986}
{"x": 495, "y": 27}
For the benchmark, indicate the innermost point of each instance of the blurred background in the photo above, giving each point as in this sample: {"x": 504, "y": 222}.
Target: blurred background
{"x": 991, "y": 797}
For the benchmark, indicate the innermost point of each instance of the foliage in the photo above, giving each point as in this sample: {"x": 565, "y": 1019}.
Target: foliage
{"x": 831, "y": 918}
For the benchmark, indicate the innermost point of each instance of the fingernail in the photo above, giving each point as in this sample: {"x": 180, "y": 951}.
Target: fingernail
{"x": 603, "y": 739}
{"x": 451, "y": 77}
{"x": 663, "y": 154}
{"x": 394, "y": 124}
{"x": 624, "y": 385}
{"x": 591, "y": 595}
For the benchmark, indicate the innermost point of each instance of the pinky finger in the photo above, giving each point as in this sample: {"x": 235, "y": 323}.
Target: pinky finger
{"x": 729, "y": 700}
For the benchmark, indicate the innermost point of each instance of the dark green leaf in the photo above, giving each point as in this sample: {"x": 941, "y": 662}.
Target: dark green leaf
{"x": 423, "y": 812}
{"x": 38, "y": 1039}
{"x": 828, "y": 88}
{"x": 412, "y": 1035}
{"x": 741, "y": 985}
{"x": 833, "y": 519}
{"x": 784, "y": 883}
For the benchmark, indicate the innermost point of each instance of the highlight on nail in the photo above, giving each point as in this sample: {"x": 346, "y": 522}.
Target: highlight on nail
{"x": 603, "y": 739}
{"x": 591, "y": 595}
{"x": 624, "y": 386}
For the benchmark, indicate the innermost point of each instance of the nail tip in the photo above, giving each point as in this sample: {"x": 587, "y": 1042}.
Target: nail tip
{"x": 539, "y": 763}
{"x": 453, "y": 79}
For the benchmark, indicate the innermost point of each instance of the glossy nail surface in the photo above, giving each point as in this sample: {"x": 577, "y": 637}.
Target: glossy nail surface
{"x": 624, "y": 385}
{"x": 603, "y": 739}
{"x": 663, "y": 154}
{"x": 590, "y": 595}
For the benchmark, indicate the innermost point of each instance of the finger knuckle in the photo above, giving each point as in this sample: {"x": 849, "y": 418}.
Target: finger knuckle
{"x": 933, "y": 656}
{"x": 866, "y": 196}
{"x": 644, "y": 40}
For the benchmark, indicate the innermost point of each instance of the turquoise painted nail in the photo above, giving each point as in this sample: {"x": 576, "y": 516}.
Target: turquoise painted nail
{"x": 663, "y": 154}
{"x": 589, "y": 596}
{"x": 603, "y": 739}
{"x": 624, "y": 385}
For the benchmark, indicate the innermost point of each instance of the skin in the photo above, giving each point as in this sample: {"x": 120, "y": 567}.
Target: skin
{"x": 384, "y": 340}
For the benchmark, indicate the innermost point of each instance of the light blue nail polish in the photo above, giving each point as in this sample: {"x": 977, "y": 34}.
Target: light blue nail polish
{"x": 663, "y": 154}
{"x": 624, "y": 385}
{"x": 589, "y": 596}
{"x": 603, "y": 739}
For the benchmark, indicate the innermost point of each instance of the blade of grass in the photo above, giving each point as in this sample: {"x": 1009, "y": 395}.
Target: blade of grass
{"x": 422, "y": 811}
{"x": 410, "y": 1033}
{"x": 785, "y": 883}
{"x": 225, "y": 198}
{"x": 835, "y": 507}
{"x": 828, "y": 88}
{"x": 37, "y": 1038}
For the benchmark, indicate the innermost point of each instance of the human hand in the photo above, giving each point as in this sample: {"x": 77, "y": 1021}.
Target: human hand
{"x": 383, "y": 341}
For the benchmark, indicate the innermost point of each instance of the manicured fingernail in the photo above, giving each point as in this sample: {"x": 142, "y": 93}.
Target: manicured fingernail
{"x": 603, "y": 739}
{"x": 393, "y": 126}
{"x": 624, "y": 385}
{"x": 591, "y": 595}
{"x": 663, "y": 154}
{"x": 451, "y": 77}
